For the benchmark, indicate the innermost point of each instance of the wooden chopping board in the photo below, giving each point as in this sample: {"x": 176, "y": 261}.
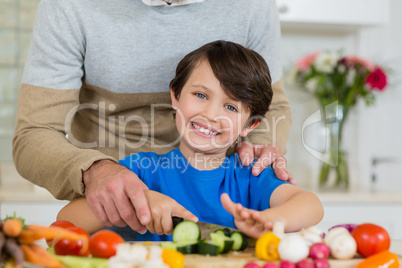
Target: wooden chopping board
{"x": 239, "y": 259}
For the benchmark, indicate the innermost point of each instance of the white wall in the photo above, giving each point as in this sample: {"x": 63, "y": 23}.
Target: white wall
{"x": 370, "y": 132}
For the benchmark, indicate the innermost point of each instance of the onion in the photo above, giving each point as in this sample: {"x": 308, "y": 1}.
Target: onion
{"x": 350, "y": 227}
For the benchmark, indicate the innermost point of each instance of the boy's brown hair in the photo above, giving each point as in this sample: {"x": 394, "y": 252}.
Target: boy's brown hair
{"x": 242, "y": 72}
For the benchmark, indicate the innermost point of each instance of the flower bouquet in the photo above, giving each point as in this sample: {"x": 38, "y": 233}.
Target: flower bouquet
{"x": 339, "y": 82}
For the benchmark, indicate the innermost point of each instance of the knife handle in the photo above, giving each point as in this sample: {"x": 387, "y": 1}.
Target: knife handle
{"x": 176, "y": 220}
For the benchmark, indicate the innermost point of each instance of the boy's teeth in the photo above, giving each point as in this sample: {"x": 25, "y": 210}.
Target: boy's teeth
{"x": 205, "y": 131}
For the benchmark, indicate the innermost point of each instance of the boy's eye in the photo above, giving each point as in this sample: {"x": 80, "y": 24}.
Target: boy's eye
{"x": 231, "y": 108}
{"x": 200, "y": 95}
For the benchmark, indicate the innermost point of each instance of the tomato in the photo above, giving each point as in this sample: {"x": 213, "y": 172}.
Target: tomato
{"x": 68, "y": 247}
{"x": 371, "y": 239}
{"x": 103, "y": 243}
{"x": 62, "y": 224}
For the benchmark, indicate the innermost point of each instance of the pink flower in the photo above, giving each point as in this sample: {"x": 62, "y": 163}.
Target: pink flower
{"x": 305, "y": 63}
{"x": 356, "y": 60}
{"x": 377, "y": 79}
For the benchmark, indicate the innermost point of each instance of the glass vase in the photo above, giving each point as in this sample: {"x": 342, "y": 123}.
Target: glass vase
{"x": 334, "y": 173}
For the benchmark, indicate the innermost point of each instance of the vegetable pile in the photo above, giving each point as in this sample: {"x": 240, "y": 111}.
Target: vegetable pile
{"x": 311, "y": 248}
{"x": 17, "y": 243}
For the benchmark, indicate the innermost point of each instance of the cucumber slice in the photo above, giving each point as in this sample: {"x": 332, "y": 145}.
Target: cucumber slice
{"x": 220, "y": 232}
{"x": 168, "y": 245}
{"x": 240, "y": 241}
{"x": 186, "y": 231}
{"x": 207, "y": 248}
{"x": 225, "y": 243}
{"x": 225, "y": 232}
{"x": 187, "y": 247}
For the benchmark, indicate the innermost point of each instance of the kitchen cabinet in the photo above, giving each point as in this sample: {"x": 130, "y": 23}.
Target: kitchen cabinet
{"x": 324, "y": 13}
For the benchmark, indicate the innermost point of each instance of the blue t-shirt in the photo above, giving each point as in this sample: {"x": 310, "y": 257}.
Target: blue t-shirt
{"x": 199, "y": 191}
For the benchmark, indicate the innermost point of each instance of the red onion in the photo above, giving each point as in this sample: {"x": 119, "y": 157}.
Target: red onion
{"x": 349, "y": 226}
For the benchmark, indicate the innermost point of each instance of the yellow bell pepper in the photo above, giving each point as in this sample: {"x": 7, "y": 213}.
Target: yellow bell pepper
{"x": 173, "y": 258}
{"x": 266, "y": 247}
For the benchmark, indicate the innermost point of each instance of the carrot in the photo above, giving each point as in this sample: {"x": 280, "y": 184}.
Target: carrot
{"x": 12, "y": 227}
{"x": 38, "y": 255}
{"x": 35, "y": 232}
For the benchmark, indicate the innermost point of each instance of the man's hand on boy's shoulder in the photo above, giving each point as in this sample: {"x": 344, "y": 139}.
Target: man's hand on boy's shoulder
{"x": 267, "y": 154}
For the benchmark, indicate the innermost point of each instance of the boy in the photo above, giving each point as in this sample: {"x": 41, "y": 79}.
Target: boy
{"x": 220, "y": 92}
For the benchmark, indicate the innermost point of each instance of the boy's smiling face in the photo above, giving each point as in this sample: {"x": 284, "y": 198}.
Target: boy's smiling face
{"x": 208, "y": 120}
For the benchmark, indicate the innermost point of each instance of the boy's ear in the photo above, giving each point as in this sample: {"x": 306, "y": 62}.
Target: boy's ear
{"x": 249, "y": 128}
{"x": 175, "y": 101}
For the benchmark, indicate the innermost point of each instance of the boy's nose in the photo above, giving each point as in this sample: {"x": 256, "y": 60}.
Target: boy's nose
{"x": 211, "y": 112}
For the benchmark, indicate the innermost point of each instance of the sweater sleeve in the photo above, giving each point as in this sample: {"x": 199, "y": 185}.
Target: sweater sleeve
{"x": 265, "y": 38}
{"x": 42, "y": 154}
{"x": 50, "y": 90}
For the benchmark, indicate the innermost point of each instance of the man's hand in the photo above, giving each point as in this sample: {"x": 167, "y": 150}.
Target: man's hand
{"x": 267, "y": 155}
{"x": 163, "y": 208}
{"x": 116, "y": 195}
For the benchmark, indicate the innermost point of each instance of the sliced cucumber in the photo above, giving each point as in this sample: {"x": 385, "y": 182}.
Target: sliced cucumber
{"x": 168, "y": 245}
{"x": 207, "y": 248}
{"x": 187, "y": 247}
{"x": 240, "y": 241}
{"x": 225, "y": 232}
{"x": 186, "y": 231}
{"x": 225, "y": 243}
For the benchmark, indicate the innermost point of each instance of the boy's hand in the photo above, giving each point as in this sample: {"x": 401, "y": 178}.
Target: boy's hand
{"x": 267, "y": 154}
{"x": 163, "y": 208}
{"x": 248, "y": 221}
